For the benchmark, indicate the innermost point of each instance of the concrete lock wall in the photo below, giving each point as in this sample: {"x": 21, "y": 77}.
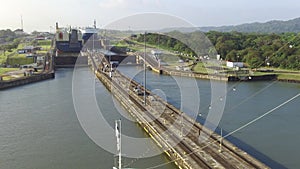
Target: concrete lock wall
{"x": 26, "y": 80}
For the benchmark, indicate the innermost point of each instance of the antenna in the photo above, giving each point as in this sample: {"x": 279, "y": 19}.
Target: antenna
{"x": 22, "y": 22}
{"x": 95, "y": 26}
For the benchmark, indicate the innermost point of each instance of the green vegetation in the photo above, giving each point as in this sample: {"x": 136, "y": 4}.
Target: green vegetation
{"x": 8, "y": 50}
{"x": 8, "y": 44}
{"x": 19, "y": 60}
{"x": 257, "y": 50}
{"x": 268, "y": 27}
{"x": 168, "y": 42}
{"x": 7, "y": 35}
{"x": 283, "y": 76}
{"x": 45, "y": 45}
{"x": 4, "y": 70}
{"x": 11, "y": 76}
{"x": 7, "y": 47}
{"x": 200, "y": 68}
{"x": 277, "y": 50}
{"x": 13, "y": 58}
{"x": 2, "y": 57}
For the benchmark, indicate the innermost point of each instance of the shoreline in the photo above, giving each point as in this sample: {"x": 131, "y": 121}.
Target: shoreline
{"x": 288, "y": 80}
{"x": 26, "y": 80}
{"x": 219, "y": 77}
{"x": 249, "y": 78}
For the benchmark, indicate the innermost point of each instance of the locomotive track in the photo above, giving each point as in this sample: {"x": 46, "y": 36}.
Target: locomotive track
{"x": 206, "y": 155}
{"x": 176, "y": 115}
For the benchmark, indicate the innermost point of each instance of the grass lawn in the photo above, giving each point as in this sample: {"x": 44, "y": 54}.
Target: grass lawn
{"x": 4, "y": 70}
{"x": 200, "y": 68}
{"x": 4, "y": 57}
{"x": 283, "y": 70}
{"x": 207, "y": 67}
{"x": 45, "y": 44}
{"x": 283, "y": 74}
{"x": 289, "y": 76}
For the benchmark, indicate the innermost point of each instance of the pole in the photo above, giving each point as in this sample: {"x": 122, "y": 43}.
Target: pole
{"x": 22, "y": 23}
{"x": 110, "y": 71}
{"x": 93, "y": 42}
{"x": 118, "y": 135}
{"x": 181, "y": 131}
{"x": 145, "y": 68}
{"x": 158, "y": 42}
{"x": 120, "y": 152}
{"x": 220, "y": 149}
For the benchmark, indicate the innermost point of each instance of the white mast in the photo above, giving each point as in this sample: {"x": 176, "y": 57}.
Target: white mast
{"x": 22, "y": 23}
{"x": 118, "y": 135}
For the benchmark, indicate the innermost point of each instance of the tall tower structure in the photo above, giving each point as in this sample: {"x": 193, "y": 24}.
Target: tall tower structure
{"x": 22, "y": 23}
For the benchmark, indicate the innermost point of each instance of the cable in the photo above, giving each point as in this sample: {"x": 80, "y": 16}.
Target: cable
{"x": 236, "y": 130}
{"x": 260, "y": 117}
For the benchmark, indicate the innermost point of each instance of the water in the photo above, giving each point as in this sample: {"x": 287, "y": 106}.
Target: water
{"x": 40, "y": 129}
{"x": 273, "y": 139}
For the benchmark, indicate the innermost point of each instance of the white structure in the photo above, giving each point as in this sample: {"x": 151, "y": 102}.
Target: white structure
{"x": 156, "y": 53}
{"x": 118, "y": 135}
{"x": 234, "y": 64}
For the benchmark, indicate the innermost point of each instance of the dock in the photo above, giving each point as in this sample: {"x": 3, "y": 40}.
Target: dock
{"x": 154, "y": 65}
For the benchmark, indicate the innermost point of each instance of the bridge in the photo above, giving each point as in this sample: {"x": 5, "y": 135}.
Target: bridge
{"x": 172, "y": 130}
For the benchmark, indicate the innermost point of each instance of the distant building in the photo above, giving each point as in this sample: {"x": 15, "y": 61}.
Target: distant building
{"x": 40, "y": 37}
{"x": 29, "y": 49}
{"x": 156, "y": 54}
{"x": 235, "y": 64}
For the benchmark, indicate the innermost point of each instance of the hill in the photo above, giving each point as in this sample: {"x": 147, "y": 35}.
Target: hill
{"x": 274, "y": 26}
{"x": 267, "y": 27}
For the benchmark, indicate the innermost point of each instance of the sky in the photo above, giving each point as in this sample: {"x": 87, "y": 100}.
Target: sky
{"x": 42, "y": 15}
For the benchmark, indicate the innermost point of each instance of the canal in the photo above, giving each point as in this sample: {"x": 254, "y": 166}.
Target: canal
{"x": 40, "y": 128}
{"x": 272, "y": 139}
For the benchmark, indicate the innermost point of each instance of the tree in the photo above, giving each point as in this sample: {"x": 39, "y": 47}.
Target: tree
{"x": 232, "y": 56}
{"x": 254, "y": 58}
{"x": 294, "y": 62}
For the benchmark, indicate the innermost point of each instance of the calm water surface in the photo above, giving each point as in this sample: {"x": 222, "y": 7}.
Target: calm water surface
{"x": 40, "y": 129}
{"x": 273, "y": 139}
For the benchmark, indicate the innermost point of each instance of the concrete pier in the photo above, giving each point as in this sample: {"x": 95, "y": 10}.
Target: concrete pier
{"x": 155, "y": 67}
{"x": 26, "y": 80}
{"x": 172, "y": 130}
